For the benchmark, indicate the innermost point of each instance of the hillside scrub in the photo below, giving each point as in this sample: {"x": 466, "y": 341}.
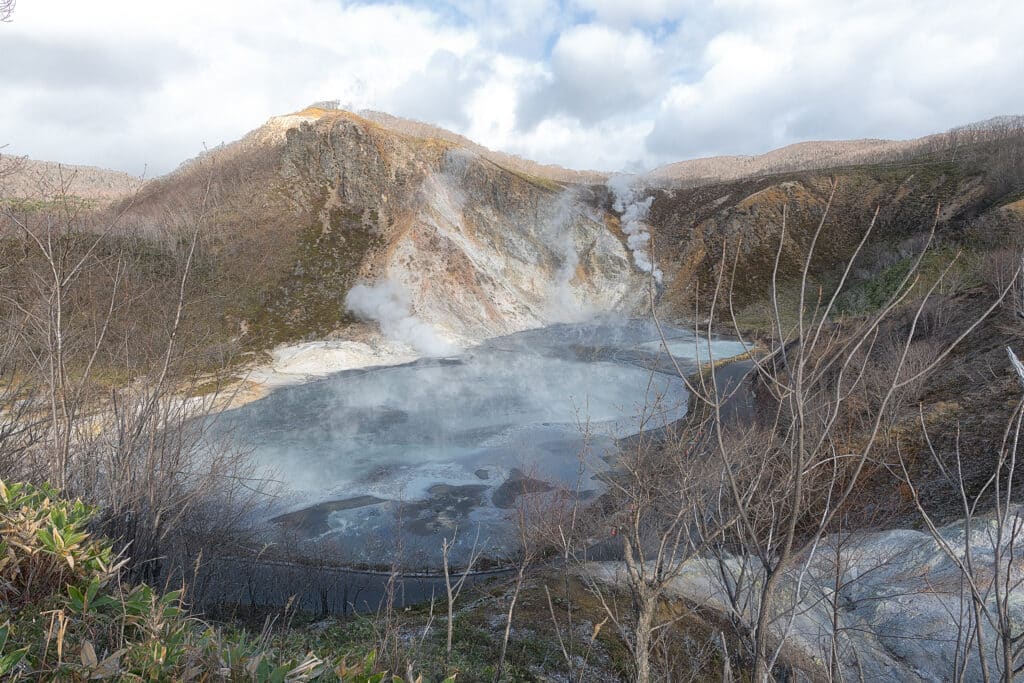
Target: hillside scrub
{"x": 960, "y": 182}
{"x": 104, "y": 340}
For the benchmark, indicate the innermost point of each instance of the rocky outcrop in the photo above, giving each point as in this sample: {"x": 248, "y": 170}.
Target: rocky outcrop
{"x": 485, "y": 254}
{"x": 480, "y": 249}
{"x": 895, "y": 601}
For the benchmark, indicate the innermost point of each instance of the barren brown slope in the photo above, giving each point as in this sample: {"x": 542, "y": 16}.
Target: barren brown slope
{"x": 802, "y": 155}
{"x": 826, "y": 154}
{"x": 28, "y": 179}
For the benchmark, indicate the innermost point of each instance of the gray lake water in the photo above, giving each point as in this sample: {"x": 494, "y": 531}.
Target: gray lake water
{"x": 380, "y": 464}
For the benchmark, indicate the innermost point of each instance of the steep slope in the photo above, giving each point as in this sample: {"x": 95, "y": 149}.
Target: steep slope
{"x": 959, "y": 189}
{"x": 479, "y": 249}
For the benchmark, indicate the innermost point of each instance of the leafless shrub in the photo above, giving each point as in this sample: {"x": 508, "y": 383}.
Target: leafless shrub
{"x": 757, "y": 502}
{"x": 938, "y": 319}
{"x": 988, "y": 631}
{"x": 453, "y": 589}
{"x": 533, "y": 524}
{"x": 1003, "y": 273}
{"x": 890, "y": 362}
{"x": 100, "y": 371}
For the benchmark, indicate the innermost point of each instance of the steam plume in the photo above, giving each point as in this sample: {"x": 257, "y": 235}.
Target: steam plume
{"x": 387, "y": 303}
{"x": 634, "y": 213}
{"x": 563, "y": 304}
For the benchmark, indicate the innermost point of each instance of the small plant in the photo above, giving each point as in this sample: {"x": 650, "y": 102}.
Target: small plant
{"x": 44, "y": 545}
{"x": 9, "y": 659}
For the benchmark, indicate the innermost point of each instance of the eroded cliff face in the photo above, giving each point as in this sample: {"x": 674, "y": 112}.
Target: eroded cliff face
{"x": 314, "y": 203}
{"x": 484, "y": 253}
{"x": 481, "y": 250}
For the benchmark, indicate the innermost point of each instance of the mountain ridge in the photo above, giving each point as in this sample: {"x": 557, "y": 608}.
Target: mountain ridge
{"x": 93, "y": 182}
{"x": 314, "y": 202}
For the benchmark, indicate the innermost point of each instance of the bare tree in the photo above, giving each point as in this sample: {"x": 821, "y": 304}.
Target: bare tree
{"x": 532, "y": 542}
{"x": 66, "y": 249}
{"x": 756, "y": 502}
{"x": 141, "y": 447}
{"x": 454, "y": 588}
{"x": 20, "y": 425}
{"x": 987, "y": 556}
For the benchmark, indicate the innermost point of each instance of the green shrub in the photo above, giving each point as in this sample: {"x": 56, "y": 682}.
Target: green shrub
{"x": 44, "y": 545}
{"x": 65, "y": 616}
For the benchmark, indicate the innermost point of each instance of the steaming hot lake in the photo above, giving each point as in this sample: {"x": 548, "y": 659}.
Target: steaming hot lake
{"x": 380, "y": 464}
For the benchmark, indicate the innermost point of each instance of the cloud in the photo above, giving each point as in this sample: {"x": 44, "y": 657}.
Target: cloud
{"x": 796, "y": 71}
{"x": 585, "y": 83}
{"x": 522, "y": 28}
{"x": 125, "y": 65}
{"x": 637, "y": 11}
{"x": 596, "y": 72}
{"x": 246, "y": 62}
{"x": 440, "y": 91}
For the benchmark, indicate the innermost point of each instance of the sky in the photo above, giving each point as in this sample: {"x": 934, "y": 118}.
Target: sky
{"x": 614, "y": 85}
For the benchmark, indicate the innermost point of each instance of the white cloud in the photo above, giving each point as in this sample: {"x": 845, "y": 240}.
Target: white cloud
{"x": 243, "y": 62}
{"x": 586, "y": 83}
{"x": 440, "y": 91}
{"x": 794, "y": 71}
{"x": 606, "y": 146}
{"x": 597, "y": 72}
{"x": 637, "y": 11}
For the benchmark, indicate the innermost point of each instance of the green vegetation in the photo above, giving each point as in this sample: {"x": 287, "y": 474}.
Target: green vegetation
{"x": 65, "y": 616}
{"x": 958, "y": 270}
{"x": 310, "y": 300}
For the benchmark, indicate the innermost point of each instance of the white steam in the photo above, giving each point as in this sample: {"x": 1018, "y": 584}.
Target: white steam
{"x": 634, "y": 212}
{"x": 388, "y": 304}
{"x": 563, "y": 304}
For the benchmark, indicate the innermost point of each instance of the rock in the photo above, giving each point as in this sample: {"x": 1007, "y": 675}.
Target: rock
{"x": 897, "y": 605}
